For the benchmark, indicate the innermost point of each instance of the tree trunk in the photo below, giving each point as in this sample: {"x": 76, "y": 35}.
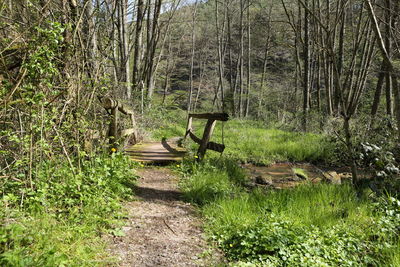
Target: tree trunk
{"x": 377, "y": 96}
{"x": 306, "y": 89}
{"x": 241, "y": 66}
{"x": 138, "y": 44}
{"x": 262, "y": 80}
{"x": 349, "y": 144}
{"x": 248, "y": 61}
{"x": 388, "y": 62}
{"x": 189, "y": 106}
{"x": 388, "y": 44}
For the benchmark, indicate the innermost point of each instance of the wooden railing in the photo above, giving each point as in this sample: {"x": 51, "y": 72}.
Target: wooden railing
{"x": 204, "y": 142}
{"x": 113, "y": 106}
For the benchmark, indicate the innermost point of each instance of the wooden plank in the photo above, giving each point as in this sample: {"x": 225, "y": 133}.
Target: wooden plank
{"x": 211, "y": 116}
{"x": 194, "y": 137}
{"x": 135, "y": 134}
{"x": 211, "y": 145}
{"x": 112, "y": 133}
{"x": 208, "y": 130}
{"x": 164, "y": 151}
{"x": 109, "y": 103}
{"x": 125, "y": 109}
{"x": 216, "y": 147}
{"x": 114, "y": 106}
{"x": 189, "y": 126}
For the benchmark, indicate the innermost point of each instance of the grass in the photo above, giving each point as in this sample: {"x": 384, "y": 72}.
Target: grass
{"x": 61, "y": 221}
{"x": 42, "y": 240}
{"x": 248, "y": 141}
{"x": 310, "y": 225}
{"x": 208, "y": 182}
{"x": 321, "y": 205}
{"x": 300, "y": 172}
{"x": 256, "y": 144}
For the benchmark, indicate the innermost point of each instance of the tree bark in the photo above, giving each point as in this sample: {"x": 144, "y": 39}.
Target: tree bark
{"x": 190, "y": 96}
{"x": 388, "y": 61}
{"x": 306, "y": 51}
{"x": 248, "y": 61}
{"x": 138, "y": 44}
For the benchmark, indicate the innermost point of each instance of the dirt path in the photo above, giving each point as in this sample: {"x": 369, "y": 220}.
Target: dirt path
{"x": 162, "y": 229}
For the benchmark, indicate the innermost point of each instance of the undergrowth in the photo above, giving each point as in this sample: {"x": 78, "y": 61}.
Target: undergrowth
{"x": 310, "y": 225}
{"x": 59, "y": 221}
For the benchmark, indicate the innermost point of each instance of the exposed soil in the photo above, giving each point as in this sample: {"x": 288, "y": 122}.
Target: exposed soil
{"x": 162, "y": 230}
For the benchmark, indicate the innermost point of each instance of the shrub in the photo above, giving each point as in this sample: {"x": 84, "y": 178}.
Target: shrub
{"x": 59, "y": 220}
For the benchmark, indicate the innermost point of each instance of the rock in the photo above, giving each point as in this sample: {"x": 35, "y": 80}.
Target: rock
{"x": 332, "y": 177}
{"x": 262, "y": 180}
{"x": 345, "y": 176}
{"x": 126, "y": 229}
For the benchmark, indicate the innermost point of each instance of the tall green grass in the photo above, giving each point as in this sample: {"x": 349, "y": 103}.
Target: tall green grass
{"x": 310, "y": 225}
{"x": 261, "y": 145}
{"x": 321, "y": 205}
{"x": 211, "y": 180}
{"x": 246, "y": 140}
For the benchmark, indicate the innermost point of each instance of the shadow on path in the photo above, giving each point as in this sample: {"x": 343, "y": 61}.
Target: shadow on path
{"x": 152, "y": 194}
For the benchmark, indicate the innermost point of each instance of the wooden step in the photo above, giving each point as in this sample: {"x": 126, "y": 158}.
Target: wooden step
{"x": 163, "y": 151}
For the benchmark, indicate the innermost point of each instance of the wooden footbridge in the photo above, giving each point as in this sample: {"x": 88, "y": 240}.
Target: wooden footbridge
{"x": 158, "y": 151}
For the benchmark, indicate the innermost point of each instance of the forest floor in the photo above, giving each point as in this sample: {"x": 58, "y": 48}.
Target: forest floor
{"x": 162, "y": 229}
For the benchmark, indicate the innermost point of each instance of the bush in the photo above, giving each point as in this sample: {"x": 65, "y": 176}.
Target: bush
{"x": 310, "y": 225}
{"x": 59, "y": 220}
{"x": 270, "y": 229}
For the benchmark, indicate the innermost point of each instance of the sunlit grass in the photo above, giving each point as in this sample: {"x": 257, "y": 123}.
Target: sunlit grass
{"x": 310, "y": 224}
{"x": 248, "y": 141}
{"x": 320, "y": 205}
{"x": 52, "y": 243}
{"x": 207, "y": 182}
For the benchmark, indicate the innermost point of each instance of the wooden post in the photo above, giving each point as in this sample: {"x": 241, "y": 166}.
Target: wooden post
{"x": 208, "y": 130}
{"x": 189, "y": 126}
{"x": 135, "y": 135}
{"x": 114, "y": 106}
{"x": 112, "y": 134}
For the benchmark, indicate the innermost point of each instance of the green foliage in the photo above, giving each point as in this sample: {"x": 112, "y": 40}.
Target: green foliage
{"x": 300, "y": 172}
{"x": 310, "y": 225}
{"x": 275, "y": 242}
{"x": 41, "y": 64}
{"x": 165, "y": 122}
{"x": 249, "y": 141}
{"x": 257, "y": 144}
{"x": 285, "y": 229}
{"x": 383, "y": 164}
{"x": 209, "y": 180}
{"x": 57, "y": 222}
